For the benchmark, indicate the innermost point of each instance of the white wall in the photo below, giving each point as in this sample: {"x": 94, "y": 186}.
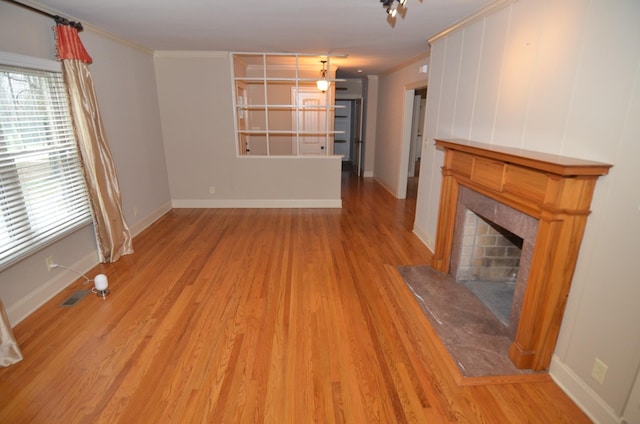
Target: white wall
{"x": 393, "y": 124}
{"x": 123, "y": 76}
{"x": 560, "y": 77}
{"x": 195, "y": 98}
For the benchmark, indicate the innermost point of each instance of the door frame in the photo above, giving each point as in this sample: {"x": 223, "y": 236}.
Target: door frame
{"x": 407, "y": 119}
{"x": 356, "y": 144}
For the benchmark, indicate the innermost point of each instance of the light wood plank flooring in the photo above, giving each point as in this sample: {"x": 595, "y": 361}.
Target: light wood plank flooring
{"x": 251, "y": 316}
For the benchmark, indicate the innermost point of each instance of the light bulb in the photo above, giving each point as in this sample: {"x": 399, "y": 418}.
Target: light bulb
{"x": 322, "y": 85}
{"x": 101, "y": 285}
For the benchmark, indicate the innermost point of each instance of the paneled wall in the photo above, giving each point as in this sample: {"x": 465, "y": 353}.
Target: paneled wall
{"x": 559, "y": 77}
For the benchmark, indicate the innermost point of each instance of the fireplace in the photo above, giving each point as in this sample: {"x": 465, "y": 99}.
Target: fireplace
{"x": 540, "y": 201}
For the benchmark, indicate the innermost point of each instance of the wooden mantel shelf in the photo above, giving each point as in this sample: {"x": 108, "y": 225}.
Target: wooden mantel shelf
{"x": 557, "y": 191}
{"x": 555, "y": 164}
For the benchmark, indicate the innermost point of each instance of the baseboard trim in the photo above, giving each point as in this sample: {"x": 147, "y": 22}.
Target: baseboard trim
{"x": 29, "y": 304}
{"x": 425, "y": 239}
{"x": 588, "y": 400}
{"x": 257, "y": 203}
{"x": 141, "y": 225}
{"x": 384, "y": 186}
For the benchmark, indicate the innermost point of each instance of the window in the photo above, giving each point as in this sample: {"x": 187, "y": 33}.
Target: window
{"x": 279, "y": 110}
{"x": 42, "y": 189}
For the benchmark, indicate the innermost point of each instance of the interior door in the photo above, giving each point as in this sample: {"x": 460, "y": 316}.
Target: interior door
{"x": 358, "y": 111}
{"x": 312, "y": 121}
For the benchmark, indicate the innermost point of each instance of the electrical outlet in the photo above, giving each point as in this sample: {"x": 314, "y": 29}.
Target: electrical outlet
{"x": 49, "y": 261}
{"x": 599, "y": 370}
{"x": 212, "y": 190}
{"x": 430, "y": 243}
{"x": 135, "y": 211}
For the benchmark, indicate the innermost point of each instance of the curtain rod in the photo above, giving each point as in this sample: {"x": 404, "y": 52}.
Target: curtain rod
{"x": 59, "y": 19}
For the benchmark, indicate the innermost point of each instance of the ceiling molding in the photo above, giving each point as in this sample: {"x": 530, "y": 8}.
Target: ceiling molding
{"x": 190, "y": 54}
{"x": 482, "y": 13}
{"x": 88, "y": 26}
{"x": 117, "y": 38}
{"x": 418, "y": 58}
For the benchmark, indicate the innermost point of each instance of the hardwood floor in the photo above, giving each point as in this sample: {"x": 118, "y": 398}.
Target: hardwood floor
{"x": 246, "y": 315}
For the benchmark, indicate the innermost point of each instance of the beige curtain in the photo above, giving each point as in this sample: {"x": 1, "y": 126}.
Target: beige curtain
{"x": 9, "y": 350}
{"x": 112, "y": 233}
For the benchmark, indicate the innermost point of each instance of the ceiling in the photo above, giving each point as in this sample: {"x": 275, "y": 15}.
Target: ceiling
{"x": 358, "y": 29}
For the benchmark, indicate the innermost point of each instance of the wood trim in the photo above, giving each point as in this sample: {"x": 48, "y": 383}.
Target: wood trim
{"x": 556, "y": 190}
{"x": 554, "y": 164}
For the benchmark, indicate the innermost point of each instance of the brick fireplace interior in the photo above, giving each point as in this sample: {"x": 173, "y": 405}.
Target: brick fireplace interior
{"x": 492, "y": 251}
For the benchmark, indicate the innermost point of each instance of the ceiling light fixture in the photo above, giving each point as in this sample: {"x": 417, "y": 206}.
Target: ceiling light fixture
{"x": 323, "y": 82}
{"x": 393, "y": 6}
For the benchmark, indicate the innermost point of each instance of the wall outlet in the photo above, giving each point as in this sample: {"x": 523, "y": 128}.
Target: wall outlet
{"x": 49, "y": 261}
{"x": 212, "y": 190}
{"x": 430, "y": 243}
{"x": 599, "y": 370}
{"x": 135, "y": 211}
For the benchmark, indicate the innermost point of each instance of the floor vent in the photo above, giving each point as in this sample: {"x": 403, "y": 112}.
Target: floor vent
{"x": 75, "y": 298}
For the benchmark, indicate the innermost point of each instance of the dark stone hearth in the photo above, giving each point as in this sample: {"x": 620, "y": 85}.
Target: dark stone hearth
{"x": 476, "y": 339}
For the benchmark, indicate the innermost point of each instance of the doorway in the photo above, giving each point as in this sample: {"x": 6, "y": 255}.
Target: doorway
{"x": 413, "y": 129}
{"x": 311, "y": 121}
{"x": 415, "y": 148}
{"x": 348, "y": 142}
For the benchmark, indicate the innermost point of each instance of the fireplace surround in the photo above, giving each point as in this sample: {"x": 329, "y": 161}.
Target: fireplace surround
{"x": 554, "y": 190}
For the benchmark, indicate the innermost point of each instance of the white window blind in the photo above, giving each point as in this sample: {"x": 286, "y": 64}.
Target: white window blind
{"x": 42, "y": 189}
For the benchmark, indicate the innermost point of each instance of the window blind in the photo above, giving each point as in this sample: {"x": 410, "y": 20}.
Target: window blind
{"x": 42, "y": 189}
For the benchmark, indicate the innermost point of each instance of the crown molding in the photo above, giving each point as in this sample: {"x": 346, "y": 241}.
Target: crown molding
{"x": 190, "y": 54}
{"x": 88, "y": 26}
{"x": 481, "y": 13}
{"x": 410, "y": 61}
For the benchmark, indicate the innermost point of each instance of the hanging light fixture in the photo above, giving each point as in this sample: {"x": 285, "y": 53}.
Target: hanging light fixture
{"x": 392, "y": 7}
{"x": 323, "y": 82}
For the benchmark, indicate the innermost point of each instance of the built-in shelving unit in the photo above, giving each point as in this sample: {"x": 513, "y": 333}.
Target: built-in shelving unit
{"x": 279, "y": 110}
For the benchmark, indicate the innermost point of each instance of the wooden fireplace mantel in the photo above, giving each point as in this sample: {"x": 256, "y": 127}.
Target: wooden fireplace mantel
{"x": 556, "y": 190}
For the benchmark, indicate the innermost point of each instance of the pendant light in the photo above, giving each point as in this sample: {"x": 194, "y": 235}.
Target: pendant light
{"x": 323, "y": 82}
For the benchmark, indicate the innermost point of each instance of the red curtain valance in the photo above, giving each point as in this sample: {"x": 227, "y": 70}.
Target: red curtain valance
{"x": 69, "y": 44}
